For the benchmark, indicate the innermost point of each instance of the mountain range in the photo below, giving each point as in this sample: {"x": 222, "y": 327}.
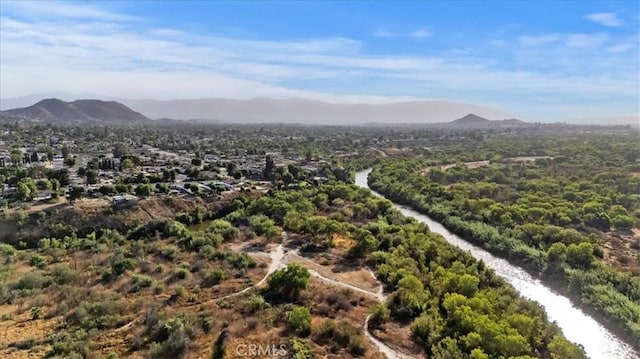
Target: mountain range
{"x": 76, "y": 112}
{"x": 253, "y": 111}
{"x": 264, "y": 110}
{"x": 304, "y": 111}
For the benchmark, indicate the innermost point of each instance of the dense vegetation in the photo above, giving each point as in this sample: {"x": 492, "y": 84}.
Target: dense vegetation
{"x": 454, "y": 305}
{"x": 558, "y": 215}
{"x": 152, "y": 277}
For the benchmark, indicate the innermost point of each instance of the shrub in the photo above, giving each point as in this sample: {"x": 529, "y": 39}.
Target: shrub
{"x": 180, "y": 273}
{"x": 172, "y": 337}
{"x": 379, "y": 314}
{"x": 64, "y": 275}
{"x": 300, "y": 349}
{"x": 286, "y": 284}
{"x": 25, "y": 344}
{"x": 36, "y": 313}
{"x": 33, "y": 281}
{"x": 224, "y": 228}
{"x": 178, "y": 292}
{"x": 169, "y": 252}
{"x": 7, "y": 250}
{"x": 207, "y": 324}
{"x": 99, "y": 312}
{"x": 214, "y": 276}
{"x": 207, "y": 252}
{"x": 38, "y": 261}
{"x": 300, "y": 320}
{"x": 255, "y": 303}
{"x": 139, "y": 282}
{"x": 158, "y": 289}
{"x": 175, "y": 228}
{"x": 120, "y": 265}
{"x": 622, "y": 222}
{"x": 357, "y": 346}
{"x": 70, "y": 345}
{"x": 341, "y": 333}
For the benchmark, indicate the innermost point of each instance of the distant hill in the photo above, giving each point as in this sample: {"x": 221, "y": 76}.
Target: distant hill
{"x": 75, "y": 112}
{"x": 473, "y": 121}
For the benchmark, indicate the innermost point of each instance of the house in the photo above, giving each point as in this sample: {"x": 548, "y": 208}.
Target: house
{"x": 320, "y": 180}
{"x": 124, "y": 201}
{"x": 181, "y": 189}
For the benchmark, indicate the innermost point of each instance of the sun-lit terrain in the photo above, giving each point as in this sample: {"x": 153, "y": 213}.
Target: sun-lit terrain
{"x": 264, "y": 179}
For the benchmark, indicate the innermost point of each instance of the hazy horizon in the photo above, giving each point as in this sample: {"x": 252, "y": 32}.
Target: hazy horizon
{"x": 580, "y": 62}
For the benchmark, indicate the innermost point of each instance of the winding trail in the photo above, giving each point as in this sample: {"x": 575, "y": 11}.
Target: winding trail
{"x": 276, "y": 257}
{"x": 380, "y": 296}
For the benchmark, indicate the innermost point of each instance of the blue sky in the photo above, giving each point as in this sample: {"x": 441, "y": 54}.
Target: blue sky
{"x": 541, "y": 60}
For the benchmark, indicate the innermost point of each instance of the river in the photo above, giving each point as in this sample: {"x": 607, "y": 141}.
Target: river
{"x": 577, "y": 326}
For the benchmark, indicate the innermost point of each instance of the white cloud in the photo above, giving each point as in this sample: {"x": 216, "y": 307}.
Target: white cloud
{"x": 118, "y": 58}
{"x": 498, "y": 43}
{"x": 620, "y": 48}
{"x": 586, "y": 40}
{"x": 385, "y": 33}
{"x": 538, "y": 40}
{"x": 63, "y": 10}
{"x": 420, "y": 33}
{"x": 605, "y": 19}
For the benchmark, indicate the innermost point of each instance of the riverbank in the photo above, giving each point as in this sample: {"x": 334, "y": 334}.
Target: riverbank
{"x": 626, "y": 341}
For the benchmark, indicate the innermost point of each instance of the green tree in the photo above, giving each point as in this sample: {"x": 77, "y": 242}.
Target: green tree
{"x": 55, "y": 187}
{"x": 43, "y": 184}
{"x": 119, "y": 150}
{"x": 580, "y": 255}
{"x": 144, "y": 190}
{"x": 65, "y": 152}
{"x": 269, "y": 167}
{"x": 447, "y": 348}
{"x": 556, "y": 257}
{"x": 16, "y": 157}
{"x": 286, "y": 284}
{"x": 622, "y": 222}
{"x": 91, "y": 176}
{"x": 26, "y": 189}
{"x": 300, "y": 320}
{"x": 410, "y": 298}
{"x": 379, "y": 314}
{"x": 561, "y": 348}
{"x": 75, "y": 193}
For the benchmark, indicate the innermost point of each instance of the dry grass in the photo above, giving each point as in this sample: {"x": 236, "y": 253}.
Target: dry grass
{"x": 264, "y": 326}
{"x": 619, "y": 250}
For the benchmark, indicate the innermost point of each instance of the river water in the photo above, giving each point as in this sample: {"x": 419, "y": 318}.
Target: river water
{"x": 577, "y": 326}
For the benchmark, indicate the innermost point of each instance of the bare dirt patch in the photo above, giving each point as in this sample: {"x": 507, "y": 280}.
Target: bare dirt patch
{"x": 622, "y": 250}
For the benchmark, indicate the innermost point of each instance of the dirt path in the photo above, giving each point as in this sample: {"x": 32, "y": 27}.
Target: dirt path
{"x": 276, "y": 257}
{"x": 476, "y": 164}
{"x": 380, "y": 296}
{"x": 316, "y": 274}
